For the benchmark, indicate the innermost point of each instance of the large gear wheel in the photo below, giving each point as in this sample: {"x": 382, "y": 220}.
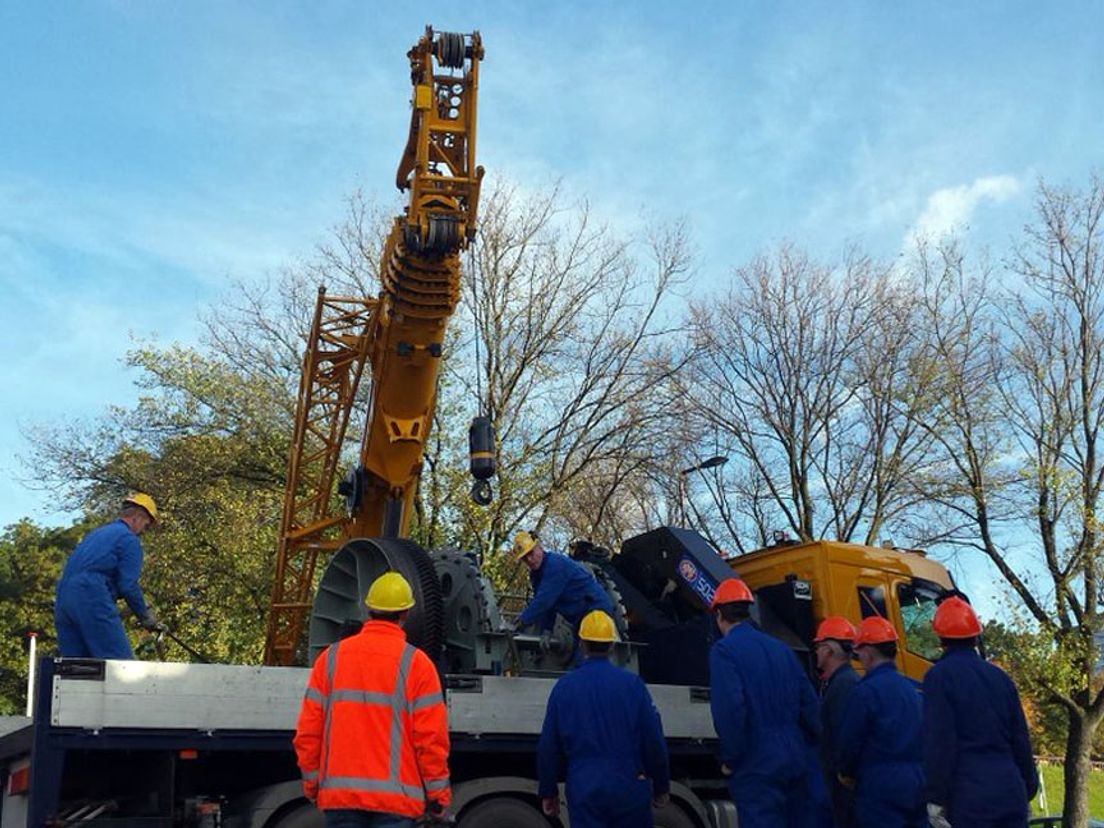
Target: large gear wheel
{"x": 339, "y": 604}
{"x": 469, "y": 608}
{"x": 620, "y": 614}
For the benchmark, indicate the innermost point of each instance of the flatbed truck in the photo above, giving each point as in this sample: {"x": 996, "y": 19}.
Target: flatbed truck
{"x": 133, "y": 744}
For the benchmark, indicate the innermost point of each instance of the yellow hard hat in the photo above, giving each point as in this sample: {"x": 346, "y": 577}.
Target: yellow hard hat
{"x": 390, "y": 592}
{"x": 598, "y": 626}
{"x": 523, "y": 544}
{"x": 143, "y": 500}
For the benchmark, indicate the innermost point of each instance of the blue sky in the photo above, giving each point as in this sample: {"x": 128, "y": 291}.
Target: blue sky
{"x": 152, "y": 151}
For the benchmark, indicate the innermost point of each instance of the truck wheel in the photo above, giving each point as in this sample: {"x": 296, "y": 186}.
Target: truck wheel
{"x": 305, "y": 816}
{"x": 500, "y": 812}
{"x": 672, "y": 816}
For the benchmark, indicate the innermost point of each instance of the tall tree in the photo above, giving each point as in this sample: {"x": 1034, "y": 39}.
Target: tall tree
{"x": 31, "y": 560}
{"x": 209, "y": 439}
{"x": 563, "y": 331}
{"x": 209, "y": 444}
{"x": 1020, "y": 420}
{"x": 805, "y": 377}
{"x": 567, "y": 331}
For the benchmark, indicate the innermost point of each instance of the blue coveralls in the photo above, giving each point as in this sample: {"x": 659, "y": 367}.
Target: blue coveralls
{"x": 601, "y": 723}
{"x": 765, "y": 714}
{"x": 563, "y": 586}
{"x": 104, "y": 567}
{"x": 833, "y": 703}
{"x": 977, "y": 754}
{"x": 819, "y": 809}
{"x": 879, "y": 746}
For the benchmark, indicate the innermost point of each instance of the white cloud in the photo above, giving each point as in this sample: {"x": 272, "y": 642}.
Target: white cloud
{"x": 951, "y": 208}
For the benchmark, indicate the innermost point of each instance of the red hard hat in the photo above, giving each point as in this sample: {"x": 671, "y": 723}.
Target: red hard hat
{"x": 875, "y": 630}
{"x": 956, "y": 619}
{"x": 837, "y": 627}
{"x": 730, "y": 591}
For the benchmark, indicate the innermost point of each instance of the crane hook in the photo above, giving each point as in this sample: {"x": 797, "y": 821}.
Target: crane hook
{"x": 481, "y": 492}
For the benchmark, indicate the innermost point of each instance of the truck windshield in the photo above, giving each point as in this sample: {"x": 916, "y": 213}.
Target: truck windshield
{"x": 918, "y": 602}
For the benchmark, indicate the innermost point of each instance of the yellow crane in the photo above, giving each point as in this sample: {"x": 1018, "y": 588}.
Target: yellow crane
{"x": 399, "y": 334}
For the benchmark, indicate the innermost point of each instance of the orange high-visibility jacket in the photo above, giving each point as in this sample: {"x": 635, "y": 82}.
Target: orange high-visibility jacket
{"x": 373, "y": 729}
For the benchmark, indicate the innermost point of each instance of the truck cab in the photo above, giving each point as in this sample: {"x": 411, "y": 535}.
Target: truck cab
{"x": 801, "y": 583}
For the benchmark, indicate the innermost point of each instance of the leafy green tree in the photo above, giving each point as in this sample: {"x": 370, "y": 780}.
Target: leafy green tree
{"x": 209, "y": 442}
{"x": 1022, "y": 655}
{"x": 31, "y": 560}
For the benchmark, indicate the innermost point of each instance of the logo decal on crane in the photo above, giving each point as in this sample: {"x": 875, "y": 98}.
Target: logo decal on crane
{"x": 697, "y": 579}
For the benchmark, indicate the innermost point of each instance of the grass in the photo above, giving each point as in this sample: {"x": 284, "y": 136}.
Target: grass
{"x": 1052, "y": 782}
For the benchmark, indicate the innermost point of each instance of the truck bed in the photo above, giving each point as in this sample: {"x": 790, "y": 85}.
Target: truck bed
{"x": 152, "y": 739}
{"x": 100, "y": 695}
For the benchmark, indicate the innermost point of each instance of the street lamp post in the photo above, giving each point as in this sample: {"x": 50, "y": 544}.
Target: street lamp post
{"x": 710, "y": 463}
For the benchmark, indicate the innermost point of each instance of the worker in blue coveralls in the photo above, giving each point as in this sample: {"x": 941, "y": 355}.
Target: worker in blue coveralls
{"x": 978, "y": 767}
{"x": 104, "y": 567}
{"x": 878, "y": 747}
{"x": 603, "y": 734}
{"x": 832, "y": 646}
{"x": 765, "y": 714}
{"x": 560, "y": 586}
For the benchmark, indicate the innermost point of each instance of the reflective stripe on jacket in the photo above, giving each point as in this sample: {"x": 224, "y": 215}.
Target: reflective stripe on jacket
{"x": 373, "y": 728}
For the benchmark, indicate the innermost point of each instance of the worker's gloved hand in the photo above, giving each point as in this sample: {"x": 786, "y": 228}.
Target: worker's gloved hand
{"x": 546, "y": 641}
{"x": 937, "y": 816}
{"x": 517, "y": 626}
{"x": 660, "y": 800}
{"x": 437, "y": 814}
{"x": 149, "y": 621}
{"x": 550, "y": 805}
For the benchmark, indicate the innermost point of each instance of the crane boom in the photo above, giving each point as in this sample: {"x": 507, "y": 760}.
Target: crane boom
{"x": 400, "y": 335}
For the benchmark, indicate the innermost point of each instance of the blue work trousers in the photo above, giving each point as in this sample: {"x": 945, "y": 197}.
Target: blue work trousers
{"x": 819, "y": 810}
{"x": 988, "y": 792}
{"x": 608, "y": 801}
{"x": 843, "y": 805}
{"x": 88, "y": 621}
{"x": 889, "y": 796}
{"x": 764, "y": 802}
{"x": 353, "y": 818}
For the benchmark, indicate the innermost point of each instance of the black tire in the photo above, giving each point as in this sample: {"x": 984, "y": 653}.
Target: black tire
{"x": 672, "y": 816}
{"x": 305, "y": 816}
{"x": 502, "y": 812}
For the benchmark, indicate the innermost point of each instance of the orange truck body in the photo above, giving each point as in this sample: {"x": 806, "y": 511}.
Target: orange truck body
{"x": 857, "y": 581}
